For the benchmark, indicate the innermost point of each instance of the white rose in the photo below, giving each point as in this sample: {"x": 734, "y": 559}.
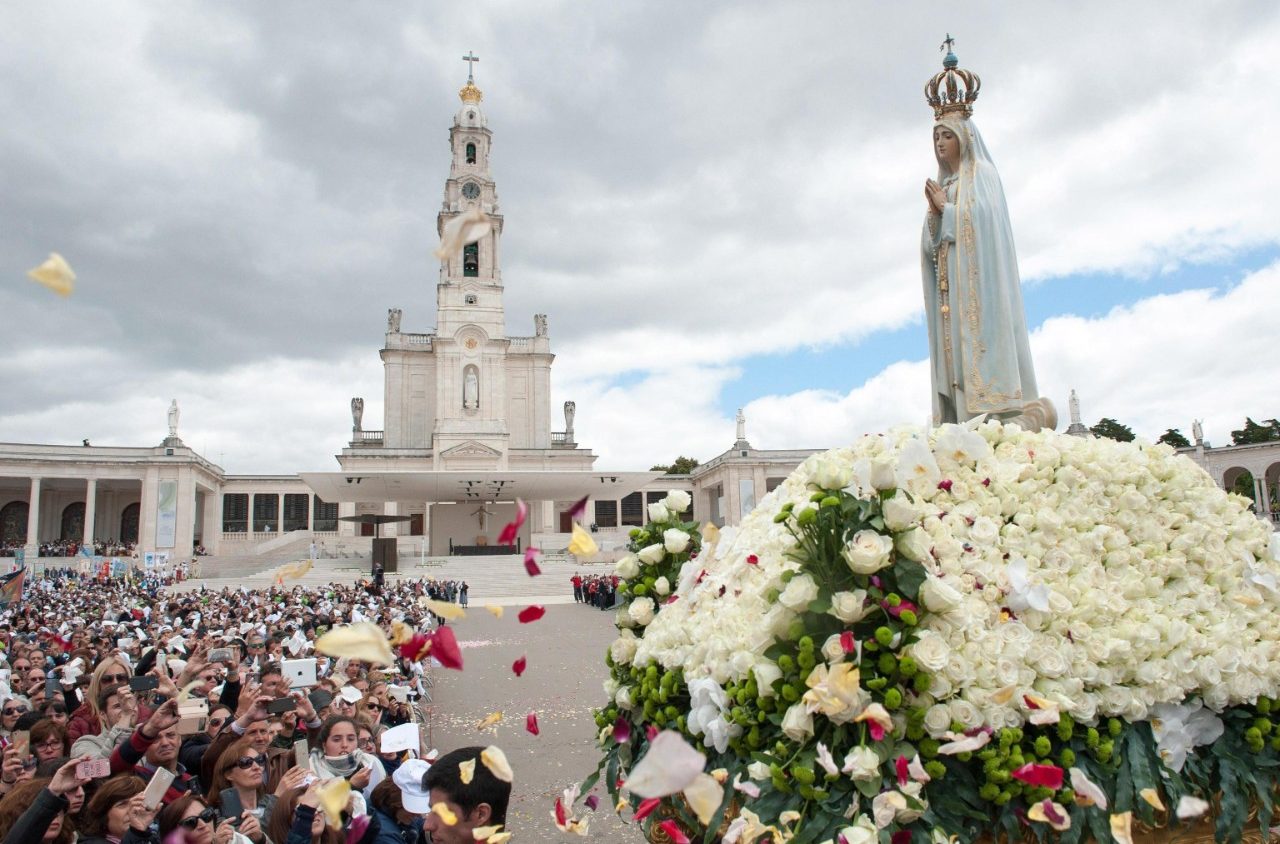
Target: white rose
{"x": 662, "y": 586}
{"x": 849, "y": 606}
{"x": 863, "y": 832}
{"x": 861, "y": 763}
{"x": 627, "y": 567}
{"x": 937, "y": 720}
{"x": 984, "y": 531}
{"x": 899, "y": 513}
{"x": 767, "y": 673}
{"x": 930, "y": 651}
{"x": 868, "y": 552}
{"x": 652, "y": 554}
{"x": 832, "y": 650}
{"x": 831, "y": 473}
{"x": 677, "y": 501}
{"x": 641, "y": 611}
{"x": 882, "y": 474}
{"x": 797, "y": 723}
{"x": 622, "y": 618}
{"x": 623, "y": 698}
{"x": 938, "y": 596}
{"x": 623, "y": 648}
{"x": 610, "y": 687}
{"x": 799, "y": 592}
{"x": 914, "y": 545}
{"x": 658, "y": 512}
{"x": 675, "y": 540}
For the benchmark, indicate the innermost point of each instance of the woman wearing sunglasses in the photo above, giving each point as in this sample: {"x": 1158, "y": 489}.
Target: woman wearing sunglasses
{"x": 195, "y": 821}
{"x": 239, "y": 792}
{"x": 87, "y": 720}
{"x": 11, "y": 709}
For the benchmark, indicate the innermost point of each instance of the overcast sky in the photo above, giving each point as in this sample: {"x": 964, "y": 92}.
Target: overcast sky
{"x": 717, "y": 205}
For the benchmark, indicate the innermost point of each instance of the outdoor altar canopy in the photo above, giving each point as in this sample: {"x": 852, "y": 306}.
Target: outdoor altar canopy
{"x": 983, "y": 630}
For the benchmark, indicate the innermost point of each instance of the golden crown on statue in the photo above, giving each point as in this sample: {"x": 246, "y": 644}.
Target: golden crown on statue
{"x": 953, "y": 90}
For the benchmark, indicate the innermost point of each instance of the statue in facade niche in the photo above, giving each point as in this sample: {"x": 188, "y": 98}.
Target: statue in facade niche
{"x": 470, "y": 390}
{"x": 393, "y": 320}
{"x": 357, "y": 413}
{"x": 979, "y": 351}
{"x": 173, "y": 418}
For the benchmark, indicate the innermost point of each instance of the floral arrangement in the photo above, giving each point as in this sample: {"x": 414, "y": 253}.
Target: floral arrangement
{"x": 972, "y": 631}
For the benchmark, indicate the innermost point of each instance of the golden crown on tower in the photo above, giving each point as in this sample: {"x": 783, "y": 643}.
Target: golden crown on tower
{"x": 954, "y": 89}
{"x": 470, "y": 93}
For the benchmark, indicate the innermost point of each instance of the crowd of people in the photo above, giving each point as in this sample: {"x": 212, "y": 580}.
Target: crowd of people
{"x": 107, "y": 687}
{"x": 70, "y": 548}
{"x": 598, "y": 590}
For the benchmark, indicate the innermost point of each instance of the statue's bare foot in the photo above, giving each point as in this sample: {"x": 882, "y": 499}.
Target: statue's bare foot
{"x": 1037, "y": 415}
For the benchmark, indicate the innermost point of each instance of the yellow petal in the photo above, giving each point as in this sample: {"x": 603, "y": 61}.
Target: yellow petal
{"x": 721, "y": 775}
{"x": 1002, "y": 696}
{"x": 704, "y": 795}
{"x": 1122, "y": 828}
{"x": 1246, "y": 599}
{"x": 442, "y": 811}
{"x": 462, "y": 230}
{"x": 1153, "y": 798}
{"x": 495, "y": 760}
{"x": 363, "y": 640}
{"x": 498, "y": 838}
{"x": 444, "y": 609}
{"x": 788, "y": 817}
{"x": 582, "y": 545}
{"x": 467, "y": 770}
{"x": 489, "y": 720}
{"x": 333, "y": 799}
{"x": 186, "y": 690}
{"x": 495, "y": 609}
{"x": 623, "y": 803}
{"x": 294, "y": 570}
{"x": 710, "y": 533}
{"x": 482, "y": 833}
{"x": 56, "y": 274}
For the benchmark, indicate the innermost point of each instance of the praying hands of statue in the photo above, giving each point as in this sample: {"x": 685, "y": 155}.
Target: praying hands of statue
{"x": 935, "y": 196}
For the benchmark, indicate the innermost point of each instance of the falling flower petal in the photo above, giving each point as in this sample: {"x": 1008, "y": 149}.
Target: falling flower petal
{"x": 960, "y": 743}
{"x": 1003, "y": 696}
{"x": 531, "y": 723}
{"x": 495, "y": 609}
{"x": 1122, "y": 828}
{"x": 1022, "y": 594}
{"x": 748, "y": 788}
{"x": 1153, "y": 799}
{"x": 646, "y": 807}
{"x": 445, "y": 609}
{"x": 444, "y": 647}
{"x": 753, "y": 560}
{"x": 1046, "y": 811}
{"x": 1088, "y": 793}
{"x": 592, "y": 801}
{"x": 826, "y": 760}
{"x": 878, "y": 720}
{"x": 56, "y": 274}
{"x": 482, "y": 833}
{"x": 462, "y": 230}
{"x": 710, "y": 533}
{"x": 442, "y": 811}
{"x": 1045, "y": 776}
{"x": 674, "y": 832}
{"x": 466, "y": 770}
{"x": 531, "y": 613}
{"x": 511, "y": 529}
{"x": 704, "y": 796}
{"x": 669, "y": 766}
{"x": 364, "y": 641}
{"x": 622, "y": 730}
{"x": 1191, "y": 807}
{"x": 499, "y": 838}
{"x": 495, "y": 760}
{"x": 531, "y": 555}
{"x": 356, "y": 828}
{"x": 489, "y": 720}
{"x": 293, "y": 571}
{"x": 333, "y": 796}
{"x": 518, "y": 666}
{"x": 581, "y": 544}
{"x": 578, "y": 511}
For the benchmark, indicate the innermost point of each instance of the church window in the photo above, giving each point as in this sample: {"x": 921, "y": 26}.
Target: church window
{"x": 632, "y": 510}
{"x": 471, "y": 153}
{"x": 72, "y": 527}
{"x": 295, "y": 511}
{"x": 606, "y": 514}
{"x": 470, "y": 298}
{"x": 326, "y": 517}
{"x": 235, "y": 512}
{"x": 13, "y": 523}
{"x": 129, "y": 518}
{"x": 266, "y": 512}
{"x": 471, "y": 260}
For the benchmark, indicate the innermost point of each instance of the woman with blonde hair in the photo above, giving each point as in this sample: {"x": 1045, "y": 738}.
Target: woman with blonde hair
{"x": 87, "y": 719}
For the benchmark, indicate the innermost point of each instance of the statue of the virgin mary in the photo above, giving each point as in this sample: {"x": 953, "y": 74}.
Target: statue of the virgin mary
{"x": 978, "y": 348}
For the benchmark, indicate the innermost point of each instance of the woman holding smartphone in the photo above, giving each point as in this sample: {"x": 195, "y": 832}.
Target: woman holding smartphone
{"x": 238, "y": 790}
{"x": 339, "y": 755}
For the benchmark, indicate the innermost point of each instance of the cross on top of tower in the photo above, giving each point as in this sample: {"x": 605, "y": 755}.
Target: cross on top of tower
{"x": 470, "y": 58}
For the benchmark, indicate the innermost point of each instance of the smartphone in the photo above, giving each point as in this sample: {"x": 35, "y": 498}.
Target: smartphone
{"x": 301, "y": 754}
{"x": 232, "y": 808}
{"x": 281, "y": 705}
{"x": 22, "y": 741}
{"x": 94, "y": 769}
{"x": 162, "y": 660}
{"x": 156, "y": 788}
{"x": 145, "y": 683}
{"x": 193, "y": 716}
{"x": 52, "y": 687}
{"x": 220, "y": 655}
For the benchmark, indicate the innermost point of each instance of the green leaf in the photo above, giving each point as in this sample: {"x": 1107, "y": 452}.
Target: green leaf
{"x": 868, "y": 788}
{"x": 909, "y": 576}
{"x": 820, "y": 604}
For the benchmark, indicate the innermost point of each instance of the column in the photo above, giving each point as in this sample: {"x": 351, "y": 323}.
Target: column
{"x": 147, "y": 510}
{"x": 391, "y": 508}
{"x": 346, "y": 508}
{"x": 280, "y": 512}
{"x": 213, "y": 525}
{"x": 33, "y": 522}
{"x": 311, "y": 511}
{"x": 90, "y": 509}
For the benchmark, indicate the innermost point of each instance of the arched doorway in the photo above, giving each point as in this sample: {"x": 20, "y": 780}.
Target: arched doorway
{"x": 72, "y": 522}
{"x": 129, "y": 523}
{"x": 13, "y": 523}
{"x": 1239, "y": 480}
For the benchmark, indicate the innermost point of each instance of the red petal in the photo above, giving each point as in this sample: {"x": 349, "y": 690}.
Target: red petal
{"x": 650, "y": 732}
{"x": 753, "y": 560}
{"x": 847, "y": 643}
{"x": 562, "y": 816}
{"x": 579, "y": 509}
{"x": 518, "y": 666}
{"x": 1047, "y": 776}
{"x": 1031, "y": 704}
{"x": 945, "y": 486}
{"x": 356, "y": 829}
{"x": 621, "y": 730}
{"x": 674, "y": 832}
{"x": 877, "y": 731}
{"x": 902, "y": 836}
{"x": 531, "y": 555}
{"x": 531, "y": 723}
{"x": 645, "y": 807}
{"x": 1052, "y": 814}
{"x": 532, "y": 613}
{"x": 592, "y": 802}
{"x": 511, "y": 529}
{"x": 900, "y": 765}
{"x": 444, "y": 647}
